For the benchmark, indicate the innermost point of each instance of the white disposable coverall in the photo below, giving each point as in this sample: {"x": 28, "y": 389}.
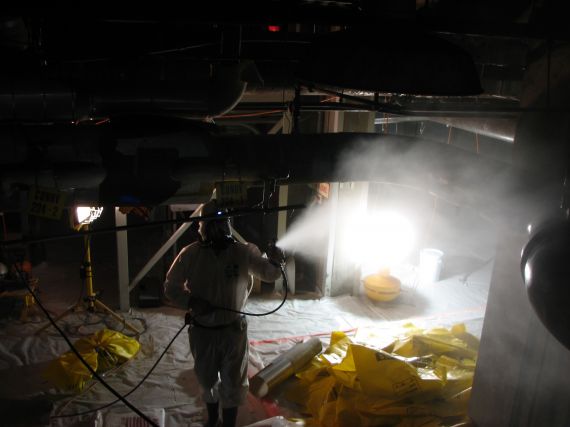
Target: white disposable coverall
{"x": 222, "y": 280}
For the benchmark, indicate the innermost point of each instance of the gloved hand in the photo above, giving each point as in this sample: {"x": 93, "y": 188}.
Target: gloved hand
{"x": 275, "y": 254}
{"x": 198, "y": 306}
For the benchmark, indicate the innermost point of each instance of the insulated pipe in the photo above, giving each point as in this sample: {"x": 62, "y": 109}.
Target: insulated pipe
{"x": 194, "y": 157}
{"x": 339, "y": 157}
{"x": 62, "y": 176}
{"x": 448, "y": 171}
{"x": 54, "y": 103}
{"x": 502, "y": 129}
{"x": 213, "y": 91}
{"x": 284, "y": 366}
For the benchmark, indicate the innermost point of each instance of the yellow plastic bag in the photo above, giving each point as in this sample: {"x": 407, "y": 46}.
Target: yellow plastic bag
{"x": 102, "y": 351}
{"x": 335, "y": 354}
{"x": 383, "y": 375}
{"x": 418, "y": 377}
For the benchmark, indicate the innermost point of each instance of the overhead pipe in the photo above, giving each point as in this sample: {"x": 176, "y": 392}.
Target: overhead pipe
{"x": 213, "y": 91}
{"x": 448, "y": 171}
{"x": 332, "y": 157}
{"x": 476, "y": 120}
{"x": 155, "y": 163}
{"x": 107, "y": 230}
{"x": 63, "y": 176}
{"x": 502, "y": 129}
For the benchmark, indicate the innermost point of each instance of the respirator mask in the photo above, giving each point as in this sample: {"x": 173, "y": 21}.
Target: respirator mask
{"x": 214, "y": 230}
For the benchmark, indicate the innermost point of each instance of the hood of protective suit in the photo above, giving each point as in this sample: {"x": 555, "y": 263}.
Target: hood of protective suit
{"x": 215, "y": 231}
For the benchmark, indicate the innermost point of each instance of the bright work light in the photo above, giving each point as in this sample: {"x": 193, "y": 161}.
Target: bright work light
{"x": 81, "y": 217}
{"x": 379, "y": 240}
{"x": 86, "y": 215}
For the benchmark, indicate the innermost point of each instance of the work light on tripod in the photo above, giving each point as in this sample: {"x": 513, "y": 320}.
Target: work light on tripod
{"x": 85, "y": 215}
{"x": 82, "y": 217}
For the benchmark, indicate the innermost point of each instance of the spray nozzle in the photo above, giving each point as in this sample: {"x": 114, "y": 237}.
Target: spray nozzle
{"x": 275, "y": 253}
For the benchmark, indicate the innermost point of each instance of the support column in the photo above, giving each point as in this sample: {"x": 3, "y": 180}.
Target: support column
{"x": 352, "y": 196}
{"x": 341, "y": 274}
{"x": 122, "y": 261}
{"x": 329, "y": 264}
{"x": 333, "y": 121}
{"x": 287, "y": 126}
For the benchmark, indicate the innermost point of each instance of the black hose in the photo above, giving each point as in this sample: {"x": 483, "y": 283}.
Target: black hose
{"x": 90, "y": 232}
{"x": 81, "y": 359}
{"x": 285, "y": 284}
{"x": 90, "y": 411}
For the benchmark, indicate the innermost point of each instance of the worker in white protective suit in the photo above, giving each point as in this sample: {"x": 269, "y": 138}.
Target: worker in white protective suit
{"x": 206, "y": 276}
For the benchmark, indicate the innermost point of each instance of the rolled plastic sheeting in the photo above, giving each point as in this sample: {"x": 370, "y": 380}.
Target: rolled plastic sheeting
{"x": 284, "y": 366}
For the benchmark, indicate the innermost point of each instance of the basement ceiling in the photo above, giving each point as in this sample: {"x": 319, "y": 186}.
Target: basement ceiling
{"x": 70, "y": 74}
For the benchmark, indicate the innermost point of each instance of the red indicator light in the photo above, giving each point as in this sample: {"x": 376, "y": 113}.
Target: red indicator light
{"x": 274, "y": 28}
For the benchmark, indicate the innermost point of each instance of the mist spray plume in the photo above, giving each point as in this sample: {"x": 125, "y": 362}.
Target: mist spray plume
{"x": 308, "y": 235}
{"x": 421, "y": 170}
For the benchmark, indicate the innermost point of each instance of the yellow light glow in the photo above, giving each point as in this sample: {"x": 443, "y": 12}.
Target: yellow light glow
{"x": 82, "y": 213}
{"x": 86, "y": 215}
{"x": 378, "y": 240}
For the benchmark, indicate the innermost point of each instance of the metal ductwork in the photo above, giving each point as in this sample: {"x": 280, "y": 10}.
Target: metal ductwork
{"x": 61, "y": 157}
{"x": 161, "y": 161}
{"x": 334, "y": 157}
{"x": 190, "y": 90}
{"x": 387, "y": 60}
{"x": 502, "y": 129}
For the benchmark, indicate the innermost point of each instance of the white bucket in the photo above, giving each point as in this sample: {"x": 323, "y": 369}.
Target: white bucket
{"x": 430, "y": 265}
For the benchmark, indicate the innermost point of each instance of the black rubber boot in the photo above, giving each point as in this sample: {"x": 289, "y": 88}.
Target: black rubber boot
{"x": 229, "y": 416}
{"x": 213, "y": 414}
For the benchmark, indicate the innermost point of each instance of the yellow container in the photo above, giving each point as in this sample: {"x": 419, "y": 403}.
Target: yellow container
{"x": 381, "y": 287}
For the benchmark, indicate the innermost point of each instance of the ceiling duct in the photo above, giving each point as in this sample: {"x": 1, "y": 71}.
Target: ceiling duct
{"x": 502, "y": 129}
{"x": 63, "y": 176}
{"x": 340, "y": 157}
{"x": 391, "y": 60}
{"x": 191, "y": 90}
{"x": 157, "y": 160}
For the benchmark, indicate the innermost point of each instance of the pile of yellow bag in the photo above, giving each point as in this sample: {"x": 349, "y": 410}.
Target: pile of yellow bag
{"x": 416, "y": 378}
{"x": 103, "y": 350}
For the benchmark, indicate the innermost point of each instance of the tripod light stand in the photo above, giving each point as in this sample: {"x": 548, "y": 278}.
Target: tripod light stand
{"x": 90, "y": 303}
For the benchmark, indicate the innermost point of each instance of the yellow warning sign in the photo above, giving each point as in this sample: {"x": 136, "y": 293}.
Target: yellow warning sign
{"x": 46, "y": 202}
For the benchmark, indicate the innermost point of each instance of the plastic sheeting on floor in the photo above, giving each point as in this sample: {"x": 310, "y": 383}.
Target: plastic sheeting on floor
{"x": 173, "y": 386}
{"x": 399, "y": 379}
